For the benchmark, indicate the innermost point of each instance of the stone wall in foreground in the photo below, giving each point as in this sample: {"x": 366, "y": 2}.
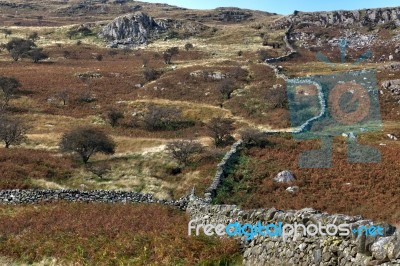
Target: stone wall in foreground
{"x": 31, "y": 196}
{"x": 300, "y": 250}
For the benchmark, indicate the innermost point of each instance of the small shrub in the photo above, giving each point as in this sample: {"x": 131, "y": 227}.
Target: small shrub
{"x": 100, "y": 169}
{"x": 254, "y": 137}
{"x": 188, "y": 46}
{"x": 150, "y": 74}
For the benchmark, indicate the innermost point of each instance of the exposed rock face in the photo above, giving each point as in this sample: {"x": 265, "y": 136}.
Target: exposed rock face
{"x": 233, "y": 15}
{"x": 138, "y": 29}
{"x": 343, "y": 18}
{"x": 131, "y": 30}
{"x": 393, "y": 86}
{"x": 284, "y": 177}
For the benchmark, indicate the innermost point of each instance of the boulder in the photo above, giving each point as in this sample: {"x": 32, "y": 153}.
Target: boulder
{"x": 380, "y": 248}
{"x": 284, "y": 177}
{"x": 292, "y": 189}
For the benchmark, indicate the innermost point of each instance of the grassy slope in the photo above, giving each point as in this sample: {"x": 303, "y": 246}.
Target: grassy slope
{"x": 106, "y": 234}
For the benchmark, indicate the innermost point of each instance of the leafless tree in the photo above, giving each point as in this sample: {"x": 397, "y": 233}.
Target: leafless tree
{"x": 183, "y": 150}
{"x": 162, "y": 118}
{"x": 9, "y": 87}
{"x": 169, "y": 53}
{"x": 113, "y": 116}
{"x": 12, "y": 130}
{"x": 87, "y": 141}
{"x": 150, "y": 74}
{"x": 254, "y": 137}
{"x": 220, "y": 130}
{"x": 226, "y": 87}
{"x": 63, "y": 96}
{"x": 277, "y": 97}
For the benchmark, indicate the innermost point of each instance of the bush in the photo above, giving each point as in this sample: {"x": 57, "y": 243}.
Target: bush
{"x": 87, "y": 97}
{"x": 254, "y": 137}
{"x": 113, "y": 116}
{"x": 33, "y": 36}
{"x": 188, "y": 46}
{"x": 37, "y": 55}
{"x": 19, "y": 48}
{"x": 226, "y": 87}
{"x": 9, "y": 88}
{"x": 263, "y": 54}
{"x": 99, "y": 57}
{"x": 100, "y": 169}
{"x": 150, "y": 74}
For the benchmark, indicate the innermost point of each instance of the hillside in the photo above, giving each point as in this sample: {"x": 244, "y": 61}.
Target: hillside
{"x": 171, "y": 75}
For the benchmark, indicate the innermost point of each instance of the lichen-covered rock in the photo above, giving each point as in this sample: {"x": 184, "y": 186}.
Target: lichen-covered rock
{"x": 380, "y": 248}
{"x": 131, "y": 30}
{"x": 284, "y": 177}
{"x": 342, "y": 18}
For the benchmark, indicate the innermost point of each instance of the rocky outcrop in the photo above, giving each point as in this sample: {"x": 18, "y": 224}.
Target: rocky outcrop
{"x": 393, "y": 86}
{"x": 131, "y": 30}
{"x": 138, "y": 29}
{"x": 342, "y": 18}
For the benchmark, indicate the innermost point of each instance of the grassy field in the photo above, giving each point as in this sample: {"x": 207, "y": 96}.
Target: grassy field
{"x": 106, "y": 234}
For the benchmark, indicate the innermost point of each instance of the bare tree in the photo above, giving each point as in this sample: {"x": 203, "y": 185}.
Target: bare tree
{"x": 113, "y": 116}
{"x": 150, "y": 74}
{"x": 277, "y": 97}
{"x": 226, "y": 87}
{"x": 169, "y": 53}
{"x": 12, "y": 131}
{"x": 9, "y": 87}
{"x": 87, "y": 141}
{"x": 63, "y": 96}
{"x": 162, "y": 118}
{"x": 220, "y": 130}
{"x": 183, "y": 150}
{"x": 254, "y": 137}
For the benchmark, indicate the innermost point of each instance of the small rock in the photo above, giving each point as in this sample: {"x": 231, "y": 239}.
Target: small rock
{"x": 284, "y": 177}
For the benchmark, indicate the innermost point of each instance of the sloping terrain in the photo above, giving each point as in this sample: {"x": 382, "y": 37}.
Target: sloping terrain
{"x": 185, "y": 68}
